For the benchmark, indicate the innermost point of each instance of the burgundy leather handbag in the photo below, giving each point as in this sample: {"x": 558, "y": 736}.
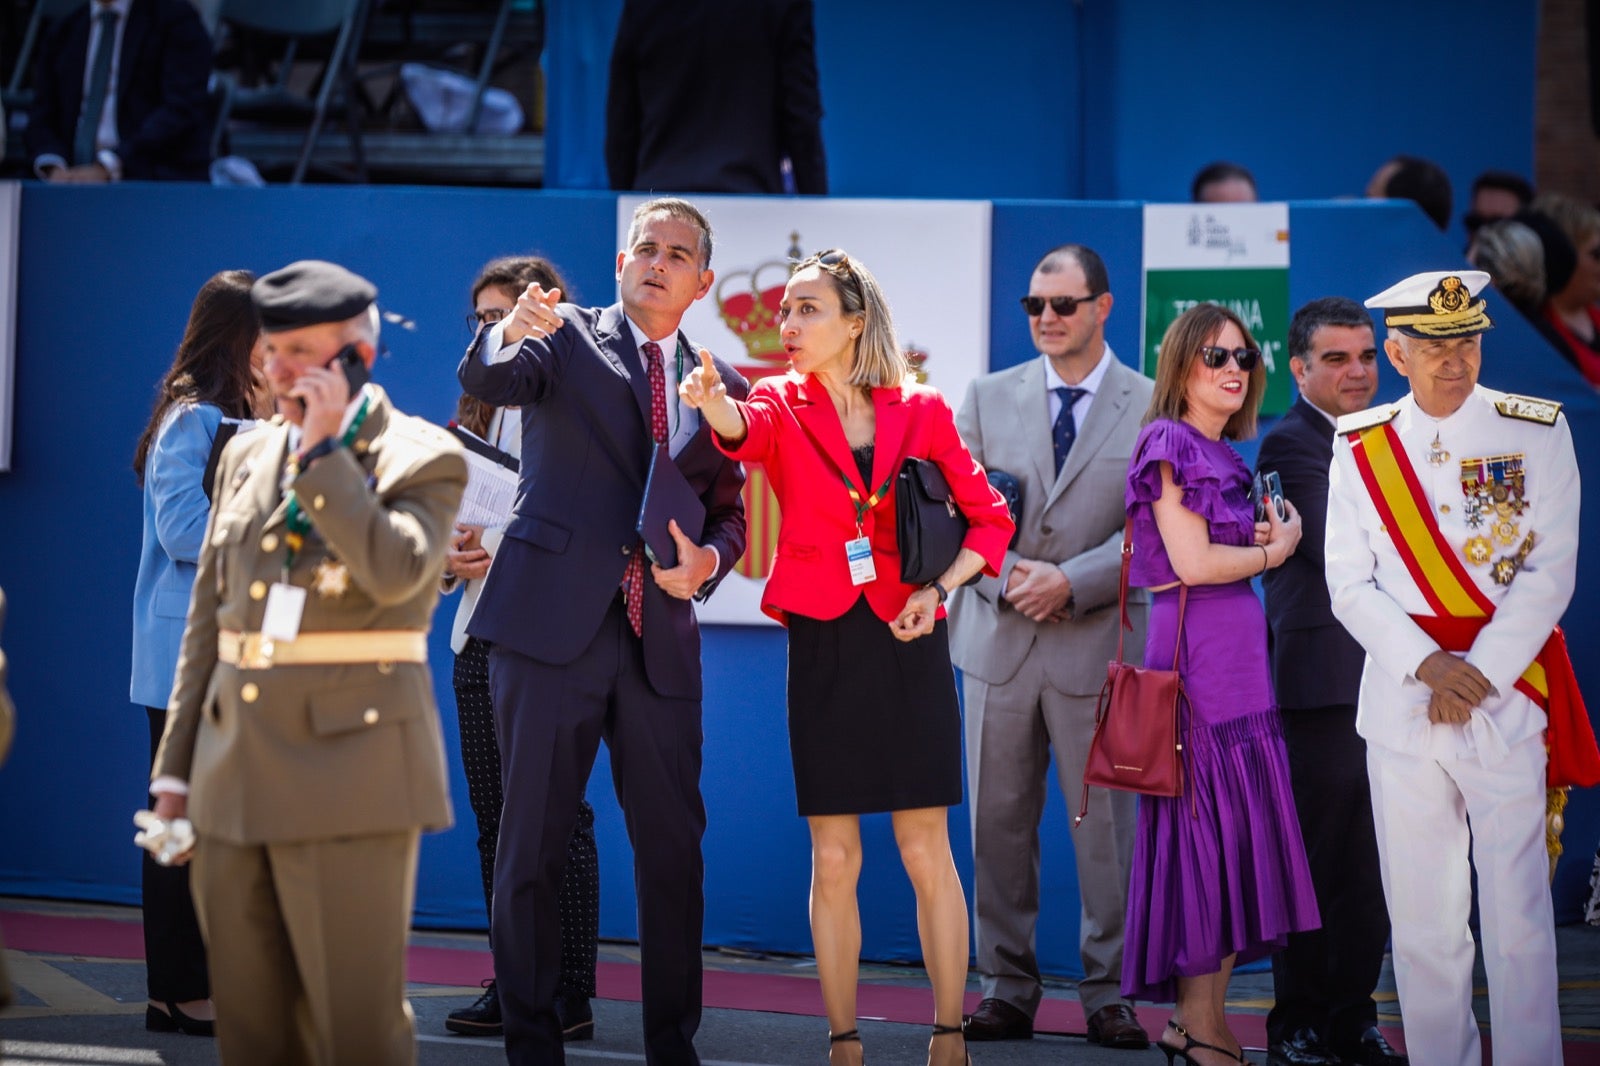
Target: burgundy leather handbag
{"x": 1139, "y": 721}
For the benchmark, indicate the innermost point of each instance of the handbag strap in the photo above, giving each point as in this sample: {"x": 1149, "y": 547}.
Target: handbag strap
{"x": 1122, "y": 597}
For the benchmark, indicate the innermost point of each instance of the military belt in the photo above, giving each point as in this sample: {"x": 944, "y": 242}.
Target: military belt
{"x": 252, "y": 651}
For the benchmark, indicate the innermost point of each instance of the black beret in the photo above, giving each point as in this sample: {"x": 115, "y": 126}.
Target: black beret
{"x": 308, "y": 293}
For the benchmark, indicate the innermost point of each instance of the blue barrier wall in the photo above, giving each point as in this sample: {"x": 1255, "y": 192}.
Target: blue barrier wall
{"x": 106, "y": 278}
{"x": 1121, "y": 99}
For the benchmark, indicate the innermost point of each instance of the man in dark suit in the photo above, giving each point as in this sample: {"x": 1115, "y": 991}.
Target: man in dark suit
{"x": 713, "y": 96}
{"x": 589, "y": 640}
{"x": 120, "y": 93}
{"x": 1323, "y": 980}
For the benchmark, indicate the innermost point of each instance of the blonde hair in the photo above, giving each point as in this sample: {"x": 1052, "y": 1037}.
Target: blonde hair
{"x": 1180, "y": 350}
{"x": 879, "y": 360}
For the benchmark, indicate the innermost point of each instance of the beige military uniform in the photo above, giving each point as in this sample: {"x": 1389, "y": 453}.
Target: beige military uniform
{"x": 309, "y": 782}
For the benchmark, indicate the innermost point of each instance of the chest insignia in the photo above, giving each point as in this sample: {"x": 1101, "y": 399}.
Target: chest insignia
{"x": 1494, "y": 499}
{"x": 331, "y": 579}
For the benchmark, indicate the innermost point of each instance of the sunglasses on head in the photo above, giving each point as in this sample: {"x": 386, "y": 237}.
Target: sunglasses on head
{"x": 1065, "y": 306}
{"x": 1217, "y": 358}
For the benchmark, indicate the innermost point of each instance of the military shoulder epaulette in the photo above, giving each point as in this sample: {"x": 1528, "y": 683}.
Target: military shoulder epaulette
{"x": 1372, "y": 416}
{"x": 1529, "y": 409}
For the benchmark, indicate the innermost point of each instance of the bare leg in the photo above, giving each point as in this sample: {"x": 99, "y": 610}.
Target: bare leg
{"x": 836, "y": 924}
{"x": 1201, "y": 1014}
{"x": 924, "y": 839}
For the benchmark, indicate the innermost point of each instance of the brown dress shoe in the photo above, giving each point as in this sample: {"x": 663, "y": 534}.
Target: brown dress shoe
{"x": 995, "y": 1019}
{"x": 1116, "y": 1027}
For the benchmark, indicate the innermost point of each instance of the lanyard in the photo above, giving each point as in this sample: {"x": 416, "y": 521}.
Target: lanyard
{"x": 298, "y": 524}
{"x": 865, "y": 505}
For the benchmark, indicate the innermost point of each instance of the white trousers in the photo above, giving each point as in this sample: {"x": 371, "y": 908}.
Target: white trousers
{"x": 1422, "y": 808}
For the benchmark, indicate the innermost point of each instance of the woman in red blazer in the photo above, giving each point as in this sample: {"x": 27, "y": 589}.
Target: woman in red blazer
{"x": 874, "y": 723}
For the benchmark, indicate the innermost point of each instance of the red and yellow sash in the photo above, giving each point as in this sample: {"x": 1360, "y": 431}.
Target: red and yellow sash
{"x": 1461, "y": 609}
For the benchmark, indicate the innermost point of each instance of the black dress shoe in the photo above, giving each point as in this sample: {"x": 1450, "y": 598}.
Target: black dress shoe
{"x": 995, "y": 1019}
{"x": 1371, "y": 1049}
{"x": 1304, "y": 1048}
{"x": 173, "y": 1020}
{"x": 577, "y": 1019}
{"x": 480, "y": 1019}
{"x": 1116, "y": 1026}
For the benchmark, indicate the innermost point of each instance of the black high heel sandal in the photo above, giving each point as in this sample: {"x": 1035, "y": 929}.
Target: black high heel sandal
{"x": 847, "y": 1035}
{"x": 173, "y": 1020}
{"x": 1191, "y": 1044}
{"x": 954, "y": 1030}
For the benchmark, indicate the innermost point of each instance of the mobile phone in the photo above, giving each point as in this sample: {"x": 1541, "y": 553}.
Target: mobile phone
{"x": 347, "y": 359}
{"x": 355, "y": 370}
{"x": 1268, "y": 487}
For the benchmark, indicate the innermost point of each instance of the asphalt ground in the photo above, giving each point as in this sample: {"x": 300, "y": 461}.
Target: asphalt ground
{"x": 84, "y": 1007}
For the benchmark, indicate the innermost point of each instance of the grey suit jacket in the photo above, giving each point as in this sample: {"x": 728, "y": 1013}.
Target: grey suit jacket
{"x": 1074, "y": 519}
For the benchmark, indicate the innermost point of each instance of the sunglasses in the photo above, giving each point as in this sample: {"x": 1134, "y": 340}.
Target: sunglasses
{"x": 1217, "y": 358}
{"x": 837, "y": 263}
{"x": 1065, "y": 306}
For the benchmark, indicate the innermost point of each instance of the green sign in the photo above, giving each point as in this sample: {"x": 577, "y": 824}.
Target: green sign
{"x": 1258, "y": 295}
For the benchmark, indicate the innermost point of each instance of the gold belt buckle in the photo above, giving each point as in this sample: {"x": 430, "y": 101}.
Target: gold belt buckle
{"x": 255, "y": 652}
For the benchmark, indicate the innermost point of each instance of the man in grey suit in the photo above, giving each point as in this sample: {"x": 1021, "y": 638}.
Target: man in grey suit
{"x": 1033, "y": 645}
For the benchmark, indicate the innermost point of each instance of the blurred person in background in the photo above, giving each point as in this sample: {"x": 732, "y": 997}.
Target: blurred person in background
{"x": 494, "y": 296}
{"x": 213, "y": 384}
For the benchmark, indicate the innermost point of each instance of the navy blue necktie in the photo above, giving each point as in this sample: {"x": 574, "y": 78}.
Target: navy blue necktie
{"x": 94, "y": 102}
{"x": 1065, "y": 431}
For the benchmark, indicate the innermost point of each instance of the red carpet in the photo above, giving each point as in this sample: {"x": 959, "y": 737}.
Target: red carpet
{"x": 112, "y": 938}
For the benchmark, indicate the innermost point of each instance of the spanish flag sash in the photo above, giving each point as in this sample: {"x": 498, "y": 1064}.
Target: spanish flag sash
{"x": 1461, "y": 609}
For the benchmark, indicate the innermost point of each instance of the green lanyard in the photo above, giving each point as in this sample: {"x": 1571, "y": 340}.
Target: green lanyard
{"x": 298, "y": 524}
{"x": 865, "y": 505}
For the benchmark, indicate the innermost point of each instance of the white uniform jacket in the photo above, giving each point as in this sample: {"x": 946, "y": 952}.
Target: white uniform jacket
{"x": 1374, "y": 592}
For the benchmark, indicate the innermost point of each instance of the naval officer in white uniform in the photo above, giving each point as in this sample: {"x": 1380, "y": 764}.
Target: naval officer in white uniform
{"x": 1453, "y": 578}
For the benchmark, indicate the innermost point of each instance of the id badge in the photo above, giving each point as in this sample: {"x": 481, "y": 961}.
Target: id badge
{"x": 285, "y": 605}
{"x": 859, "y": 554}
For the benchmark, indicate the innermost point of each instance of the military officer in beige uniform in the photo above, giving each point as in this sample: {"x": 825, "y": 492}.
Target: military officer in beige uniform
{"x": 1451, "y": 554}
{"x": 302, "y": 738}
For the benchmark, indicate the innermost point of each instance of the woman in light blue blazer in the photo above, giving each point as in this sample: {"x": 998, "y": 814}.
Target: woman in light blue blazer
{"x": 213, "y": 384}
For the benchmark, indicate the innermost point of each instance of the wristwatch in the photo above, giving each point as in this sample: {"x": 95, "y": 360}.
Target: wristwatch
{"x": 940, "y": 589}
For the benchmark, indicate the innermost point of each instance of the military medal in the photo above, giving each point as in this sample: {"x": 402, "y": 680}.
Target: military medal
{"x": 1494, "y": 489}
{"x": 331, "y": 579}
{"x": 1437, "y": 456}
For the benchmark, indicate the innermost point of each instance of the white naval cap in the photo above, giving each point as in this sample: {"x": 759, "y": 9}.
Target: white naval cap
{"x": 1435, "y": 303}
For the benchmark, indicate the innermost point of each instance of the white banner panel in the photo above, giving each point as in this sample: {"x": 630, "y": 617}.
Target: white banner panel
{"x": 930, "y": 256}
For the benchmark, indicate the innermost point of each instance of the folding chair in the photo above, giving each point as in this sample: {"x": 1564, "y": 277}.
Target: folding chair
{"x": 299, "y": 20}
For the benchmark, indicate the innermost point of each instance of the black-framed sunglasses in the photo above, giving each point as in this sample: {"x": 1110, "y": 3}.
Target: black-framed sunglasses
{"x": 1216, "y": 358}
{"x": 487, "y": 317}
{"x": 837, "y": 262}
{"x": 1065, "y": 306}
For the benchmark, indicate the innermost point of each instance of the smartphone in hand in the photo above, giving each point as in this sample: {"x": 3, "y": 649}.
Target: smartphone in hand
{"x": 1267, "y": 488}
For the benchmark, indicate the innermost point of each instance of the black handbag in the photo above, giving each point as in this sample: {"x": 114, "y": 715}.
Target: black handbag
{"x": 929, "y": 527}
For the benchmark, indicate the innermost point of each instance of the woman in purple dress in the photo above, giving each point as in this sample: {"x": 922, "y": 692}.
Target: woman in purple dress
{"x": 1219, "y": 873}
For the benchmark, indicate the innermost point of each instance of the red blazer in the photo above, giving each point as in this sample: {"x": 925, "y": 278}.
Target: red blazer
{"x": 795, "y": 433}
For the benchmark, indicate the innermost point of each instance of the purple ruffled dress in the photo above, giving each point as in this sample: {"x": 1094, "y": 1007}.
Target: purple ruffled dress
{"x": 1220, "y": 870}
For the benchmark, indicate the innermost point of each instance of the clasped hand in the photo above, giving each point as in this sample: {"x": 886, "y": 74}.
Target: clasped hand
{"x": 695, "y": 566}
{"x": 1039, "y": 590}
{"x": 1457, "y": 686}
{"x": 1280, "y": 536}
{"x": 917, "y": 617}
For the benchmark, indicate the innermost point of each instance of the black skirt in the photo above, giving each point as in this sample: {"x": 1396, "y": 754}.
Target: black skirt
{"x": 874, "y": 724}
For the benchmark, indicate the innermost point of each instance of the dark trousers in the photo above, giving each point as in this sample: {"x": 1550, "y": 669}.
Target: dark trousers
{"x": 580, "y": 888}
{"x": 549, "y": 721}
{"x": 1324, "y": 979}
{"x": 174, "y": 953}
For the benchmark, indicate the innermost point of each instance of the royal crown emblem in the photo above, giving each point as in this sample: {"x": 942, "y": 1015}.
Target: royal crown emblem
{"x": 1449, "y": 296}
{"x": 748, "y": 302}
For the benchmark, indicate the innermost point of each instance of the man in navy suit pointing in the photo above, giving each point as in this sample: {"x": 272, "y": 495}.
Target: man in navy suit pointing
{"x": 590, "y": 639}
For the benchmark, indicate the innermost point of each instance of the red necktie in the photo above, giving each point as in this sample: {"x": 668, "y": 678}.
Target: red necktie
{"x": 633, "y": 578}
